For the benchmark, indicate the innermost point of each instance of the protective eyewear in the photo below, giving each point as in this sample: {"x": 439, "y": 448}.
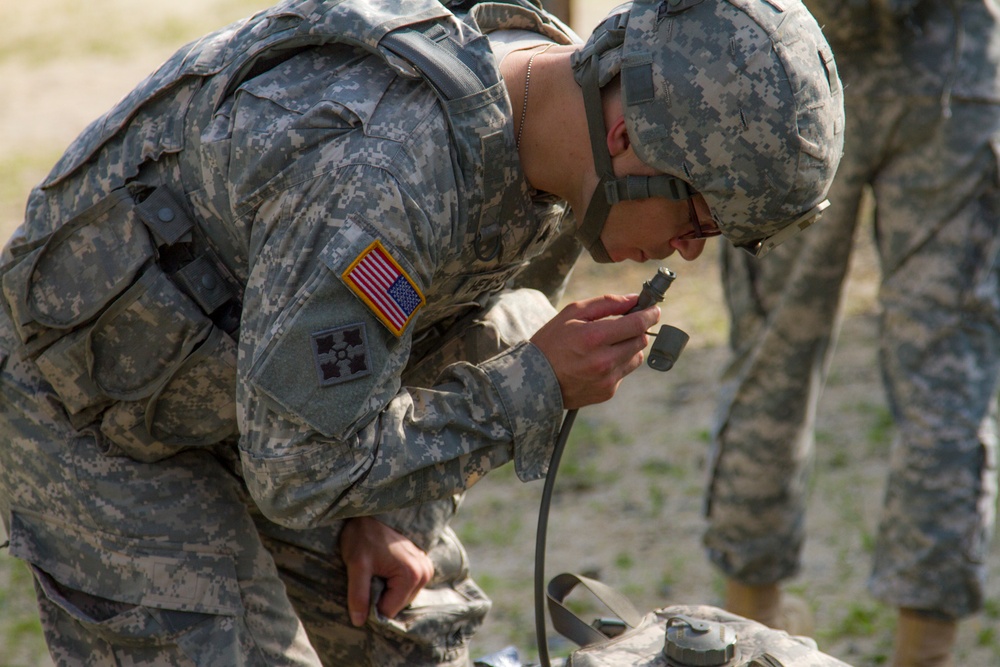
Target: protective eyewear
{"x": 697, "y": 231}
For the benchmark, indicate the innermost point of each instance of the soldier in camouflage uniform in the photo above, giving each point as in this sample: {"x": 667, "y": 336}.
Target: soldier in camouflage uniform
{"x": 270, "y": 316}
{"x": 923, "y": 131}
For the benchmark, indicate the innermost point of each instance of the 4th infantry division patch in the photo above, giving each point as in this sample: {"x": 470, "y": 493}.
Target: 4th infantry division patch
{"x": 341, "y": 354}
{"x": 383, "y": 284}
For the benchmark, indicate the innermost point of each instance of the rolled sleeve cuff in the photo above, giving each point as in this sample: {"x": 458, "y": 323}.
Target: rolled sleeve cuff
{"x": 530, "y": 394}
{"x": 422, "y": 524}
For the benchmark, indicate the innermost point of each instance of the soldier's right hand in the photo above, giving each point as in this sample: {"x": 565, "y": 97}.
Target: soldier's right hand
{"x": 372, "y": 549}
{"x": 593, "y": 344}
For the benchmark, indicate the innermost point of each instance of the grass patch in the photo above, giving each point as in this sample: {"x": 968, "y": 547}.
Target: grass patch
{"x": 590, "y": 437}
{"x": 861, "y": 619}
{"x": 20, "y": 629}
{"x": 991, "y": 609}
{"x": 832, "y": 453}
{"x": 987, "y": 637}
{"x": 661, "y": 468}
{"x": 657, "y": 499}
{"x": 493, "y": 533}
{"x": 579, "y": 476}
{"x": 882, "y": 427}
{"x": 624, "y": 561}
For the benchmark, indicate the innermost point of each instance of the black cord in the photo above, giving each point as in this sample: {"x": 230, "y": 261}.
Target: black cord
{"x": 652, "y": 292}
{"x": 543, "y": 523}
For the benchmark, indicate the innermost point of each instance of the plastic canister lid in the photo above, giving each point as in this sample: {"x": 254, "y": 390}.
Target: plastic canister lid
{"x": 698, "y": 643}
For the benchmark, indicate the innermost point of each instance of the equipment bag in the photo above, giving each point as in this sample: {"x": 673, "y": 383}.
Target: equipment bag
{"x": 674, "y": 636}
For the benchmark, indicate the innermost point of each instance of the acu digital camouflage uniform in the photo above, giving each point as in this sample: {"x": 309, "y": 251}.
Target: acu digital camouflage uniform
{"x": 922, "y": 94}
{"x": 176, "y": 474}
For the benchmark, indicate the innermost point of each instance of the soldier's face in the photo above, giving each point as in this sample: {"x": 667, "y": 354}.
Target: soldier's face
{"x": 655, "y": 228}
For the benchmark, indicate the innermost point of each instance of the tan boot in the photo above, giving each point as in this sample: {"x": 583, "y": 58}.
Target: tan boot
{"x": 767, "y": 605}
{"x": 923, "y": 641}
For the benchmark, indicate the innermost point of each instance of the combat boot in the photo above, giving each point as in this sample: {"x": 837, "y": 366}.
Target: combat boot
{"x": 923, "y": 640}
{"x": 768, "y": 605}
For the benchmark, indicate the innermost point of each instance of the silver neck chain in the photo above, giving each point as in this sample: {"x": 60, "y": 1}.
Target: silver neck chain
{"x": 527, "y": 82}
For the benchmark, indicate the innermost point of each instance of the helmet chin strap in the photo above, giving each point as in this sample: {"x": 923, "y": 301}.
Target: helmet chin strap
{"x": 611, "y": 190}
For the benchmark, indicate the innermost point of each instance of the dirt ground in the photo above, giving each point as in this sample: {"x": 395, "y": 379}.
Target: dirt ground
{"x": 627, "y": 506}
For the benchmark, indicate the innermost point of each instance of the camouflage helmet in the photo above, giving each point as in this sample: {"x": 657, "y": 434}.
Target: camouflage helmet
{"x": 736, "y": 100}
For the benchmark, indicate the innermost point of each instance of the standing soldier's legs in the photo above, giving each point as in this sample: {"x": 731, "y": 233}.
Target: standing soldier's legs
{"x": 134, "y": 563}
{"x": 783, "y": 318}
{"x": 940, "y": 353}
{"x": 763, "y": 441}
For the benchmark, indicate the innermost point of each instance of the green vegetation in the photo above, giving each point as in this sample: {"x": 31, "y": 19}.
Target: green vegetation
{"x": 493, "y": 533}
{"x": 624, "y": 560}
{"x": 20, "y": 629}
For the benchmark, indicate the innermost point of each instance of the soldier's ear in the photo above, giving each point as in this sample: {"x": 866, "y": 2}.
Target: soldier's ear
{"x": 618, "y": 140}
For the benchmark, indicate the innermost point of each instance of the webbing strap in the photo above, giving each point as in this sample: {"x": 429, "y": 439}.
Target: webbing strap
{"x": 452, "y": 77}
{"x": 196, "y": 275}
{"x": 596, "y": 215}
{"x": 569, "y": 625}
{"x": 643, "y": 187}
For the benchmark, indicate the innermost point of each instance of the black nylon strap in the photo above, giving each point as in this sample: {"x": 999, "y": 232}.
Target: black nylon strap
{"x": 201, "y": 281}
{"x": 446, "y": 71}
{"x": 164, "y": 217}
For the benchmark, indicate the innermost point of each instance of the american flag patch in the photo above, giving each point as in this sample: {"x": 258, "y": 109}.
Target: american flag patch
{"x": 383, "y": 284}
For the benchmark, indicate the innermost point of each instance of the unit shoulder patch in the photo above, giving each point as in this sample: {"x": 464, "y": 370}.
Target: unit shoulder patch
{"x": 385, "y": 287}
{"x": 341, "y": 354}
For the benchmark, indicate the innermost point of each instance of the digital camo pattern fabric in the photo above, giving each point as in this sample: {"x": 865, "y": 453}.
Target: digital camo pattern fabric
{"x": 272, "y": 175}
{"x": 945, "y": 48}
{"x": 752, "y": 99}
{"x": 153, "y": 564}
{"x": 923, "y": 133}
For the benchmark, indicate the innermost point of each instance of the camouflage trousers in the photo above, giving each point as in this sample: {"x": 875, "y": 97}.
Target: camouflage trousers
{"x": 937, "y": 235}
{"x": 168, "y": 563}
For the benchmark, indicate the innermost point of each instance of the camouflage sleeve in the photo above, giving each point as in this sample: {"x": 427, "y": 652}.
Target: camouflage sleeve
{"x": 504, "y": 320}
{"x": 327, "y": 429}
{"x": 422, "y": 524}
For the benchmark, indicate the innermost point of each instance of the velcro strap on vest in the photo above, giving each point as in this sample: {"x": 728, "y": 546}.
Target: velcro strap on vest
{"x": 203, "y": 283}
{"x": 164, "y": 217}
{"x": 198, "y": 276}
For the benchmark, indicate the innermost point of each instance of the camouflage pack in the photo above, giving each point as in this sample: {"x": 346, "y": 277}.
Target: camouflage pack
{"x": 674, "y": 636}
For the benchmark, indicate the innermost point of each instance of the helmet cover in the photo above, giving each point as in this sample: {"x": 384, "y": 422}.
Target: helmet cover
{"x": 738, "y": 98}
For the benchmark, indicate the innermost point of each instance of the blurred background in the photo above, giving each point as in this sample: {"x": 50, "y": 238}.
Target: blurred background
{"x": 627, "y": 507}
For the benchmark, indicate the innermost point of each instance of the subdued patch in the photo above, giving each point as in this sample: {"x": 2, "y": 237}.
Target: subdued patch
{"x": 341, "y": 354}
